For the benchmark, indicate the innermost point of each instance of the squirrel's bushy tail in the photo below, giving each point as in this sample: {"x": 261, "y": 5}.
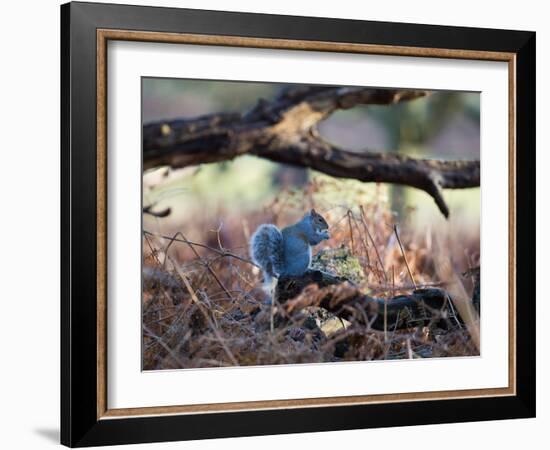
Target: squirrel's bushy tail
{"x": 266, "y": 250}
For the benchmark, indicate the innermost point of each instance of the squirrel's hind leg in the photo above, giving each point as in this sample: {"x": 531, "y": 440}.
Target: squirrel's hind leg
{"x": 269, "y": 284}
{"x": 269, "y": 281}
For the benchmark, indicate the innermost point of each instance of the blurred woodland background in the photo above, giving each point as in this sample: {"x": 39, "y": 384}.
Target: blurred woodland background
{"x": 203, "y": 305}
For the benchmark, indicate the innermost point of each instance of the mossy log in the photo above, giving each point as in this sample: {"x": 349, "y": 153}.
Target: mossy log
{"x": 339, "y": 296}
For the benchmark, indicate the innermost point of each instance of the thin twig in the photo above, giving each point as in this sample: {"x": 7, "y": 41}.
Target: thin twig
{"x": 166, "y": 251}
{"x": 386, "y": 305}
{"x": 363, "y": 241}
{"x": 205, "y": 263}
{"x": 218, "y": 237}
{"x": 364, "y": 220}
{"x": 204, "y": 313}
{"x": 351, "y": 232}
{"x": 404, "y": 256}
{"x": 184, "y": 240}
{"x": 163, "y": 345}
{"x": 409, "y": 349}
{"x": 154, "y": 252}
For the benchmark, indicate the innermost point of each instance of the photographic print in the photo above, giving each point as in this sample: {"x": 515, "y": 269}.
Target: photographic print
{"x": 249, "y": 211}
{"x": 288, "y": 224}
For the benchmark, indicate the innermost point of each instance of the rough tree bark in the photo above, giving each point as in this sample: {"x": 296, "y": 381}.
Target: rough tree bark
{"x": 285, "y": 130}
{"x": 422, "y": 307}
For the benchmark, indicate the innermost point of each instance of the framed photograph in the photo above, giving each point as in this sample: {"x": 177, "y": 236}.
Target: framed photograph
{"x": 277, "y": 224}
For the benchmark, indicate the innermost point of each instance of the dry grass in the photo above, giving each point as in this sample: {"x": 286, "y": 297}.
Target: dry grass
{"x": 203, "y": 305}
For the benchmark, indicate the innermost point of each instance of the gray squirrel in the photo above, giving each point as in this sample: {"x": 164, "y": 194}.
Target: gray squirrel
{"x": 287, "y": 252}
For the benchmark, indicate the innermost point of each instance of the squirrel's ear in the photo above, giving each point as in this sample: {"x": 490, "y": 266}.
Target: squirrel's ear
{"x": 313, "y": 212}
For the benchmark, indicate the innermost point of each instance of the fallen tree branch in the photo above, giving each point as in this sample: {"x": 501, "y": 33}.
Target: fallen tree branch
{"x": 335, "y": 294}
{"x": 427, "y": 175}
{"x": 285, "y": 131}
